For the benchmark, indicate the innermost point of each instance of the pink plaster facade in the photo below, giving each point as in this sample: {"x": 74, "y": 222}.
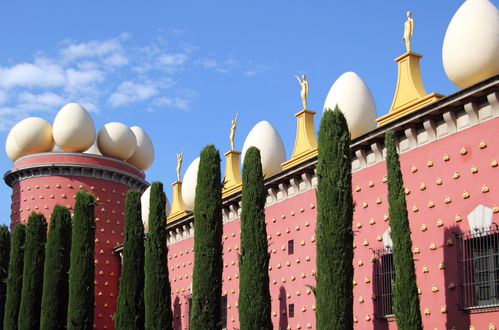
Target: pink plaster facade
{"x": 40, "y": 192}
{"x": 445, "y": 180}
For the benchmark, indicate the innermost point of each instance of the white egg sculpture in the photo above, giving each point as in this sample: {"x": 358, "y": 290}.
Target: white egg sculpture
{"x": 31, "y": 135}
{"x": 470, "y": 52}
{"x": 189, "y": 184}
{"x": 265, "y": 137}
{"x": 355, "y": 100}
{"x": 116, "y": 140}
{"x": 144, "y": 153}
{"x": 145, "y": 202}
{"x": 11, "y": 147}
{"x": 93, "y": 150}
{"x": 74, "y": 129}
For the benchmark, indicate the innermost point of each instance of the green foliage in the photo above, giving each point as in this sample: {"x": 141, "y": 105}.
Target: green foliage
{"x": 34, "y": 256}
{"x": 207, "y": 272}
{"x": 405, "y": 291}
{"x": 15, "y": 278}
{"x": 158, "y": 314}
{"x": 334, "y": 296}
{"x": 81, "y": 269}
{"x": 55, "y": 285}
{"x": 4, "y": 266}
{"x": 254, "y": 295}
{"x": 130, "y": 310}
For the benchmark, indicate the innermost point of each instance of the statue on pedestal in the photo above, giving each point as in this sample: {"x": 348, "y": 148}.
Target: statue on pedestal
{"x": 233, "y": 133}
{"x": 179, "y": 163}
{"x": 304, "y": 90}
{"x": 408, "y": 31}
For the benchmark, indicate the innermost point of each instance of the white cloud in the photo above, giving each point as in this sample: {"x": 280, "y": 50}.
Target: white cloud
{"x": 38, "y": 74}
{"x": 44, "y": 100}
{"x": 91, "y": 49}
{"x": 172, "y": 102}
{"x": 172, "y": 59}
{"x": 129, "y": 92}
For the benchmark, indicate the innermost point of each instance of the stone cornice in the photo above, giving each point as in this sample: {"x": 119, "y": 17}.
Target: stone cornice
{"x": 75, "y": 169}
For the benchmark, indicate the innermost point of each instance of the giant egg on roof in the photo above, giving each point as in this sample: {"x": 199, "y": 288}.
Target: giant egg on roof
{"x": 145, "y": 202}
{"x": 266, "y": 138}
{"x": 29, "y": 136}
{"x": 189, "y": 184}
{"x": 116, "y": 140}
{"x": 470, "y": 52}
{"x": 74, "y": 129}
{"x": 355, "y": 100}
{"x": 144, "y": 152}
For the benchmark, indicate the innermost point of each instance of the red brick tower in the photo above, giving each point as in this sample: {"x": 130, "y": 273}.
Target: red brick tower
{"x": 41, "y": 181}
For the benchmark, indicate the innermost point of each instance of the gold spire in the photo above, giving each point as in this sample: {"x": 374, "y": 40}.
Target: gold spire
{"x": 178, "y": 209}
{"x": 305, "y": 141}
{"x": 410, "y": 93}
{"x": 233, "y": 180}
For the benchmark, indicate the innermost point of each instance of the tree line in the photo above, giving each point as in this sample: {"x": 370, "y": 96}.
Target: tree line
{"x": 48, "y": 283}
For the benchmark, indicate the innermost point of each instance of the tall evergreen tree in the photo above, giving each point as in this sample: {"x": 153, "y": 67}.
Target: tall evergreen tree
{"x": 207, "y": 272}
{"x": 405, "y": 291}
{"x": 81, "y": 269}
{"x": 55, "y": 285}
{"x": 334, "y": 296}
{"x": 130, "y": 311}
{"x": 254, "y": 294}
{"x": 158, "y": 313}
{"x": 15, "y": 278}
{"x": 34, "y": 256}
{"x": 4, "y": 266}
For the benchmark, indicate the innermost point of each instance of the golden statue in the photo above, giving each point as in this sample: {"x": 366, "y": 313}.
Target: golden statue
{"x": 180, "y": 156}
{"x": 233, "y": 133}
{"x": 408, "y": 31}
{"x": 304, "y": 90}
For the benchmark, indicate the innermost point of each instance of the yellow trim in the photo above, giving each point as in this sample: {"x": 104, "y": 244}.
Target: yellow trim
{"x": 232, "y": 178}
{"x": 305, "y": 141}
{"x": 410, "y": 93}
{"x": 178, "y": 209}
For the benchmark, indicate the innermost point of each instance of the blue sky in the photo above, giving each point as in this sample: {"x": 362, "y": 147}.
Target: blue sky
{"x": 182, "y": 69}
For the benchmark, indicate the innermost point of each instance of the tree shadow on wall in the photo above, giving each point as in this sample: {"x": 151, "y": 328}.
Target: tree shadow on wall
{"x": 455, "y": 318}
{"x": 283, "y": 309}
{"x": 177, "y": 314}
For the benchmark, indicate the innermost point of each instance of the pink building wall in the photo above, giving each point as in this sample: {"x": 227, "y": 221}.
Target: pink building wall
{"x": 433, "y": 223}
{"x": 41, "y": 193}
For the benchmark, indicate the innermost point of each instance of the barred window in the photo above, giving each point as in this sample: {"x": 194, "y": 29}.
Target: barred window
{"x": 384, "y": 273}
{"x": 223, "y": 312}
{"x": 478, "y": 257}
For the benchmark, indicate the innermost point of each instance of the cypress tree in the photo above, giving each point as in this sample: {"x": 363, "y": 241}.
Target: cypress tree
{"x": 4, "y": 266}
{"x": 207, "y": 272}
{"x": 15, "y": 278}
{"x": 334, "y": 296}
{"x": 34, "y": 256}
{"x": 55, "y": 285}
{"x": 130, "y": 310}
{"x": 158, "y": 313}
{"x": 81, "y": 269}
{"x": 405, "y": 291}
{"x": 254, "y": 294}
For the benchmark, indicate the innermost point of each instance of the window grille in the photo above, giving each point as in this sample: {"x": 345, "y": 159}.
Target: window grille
{"x": 291, "y": 246}
{"x": 223, "y": 312}
{"x": 291, "y": 310}
{"x": 478, "y": 261}
{"x": 384, "y": 273}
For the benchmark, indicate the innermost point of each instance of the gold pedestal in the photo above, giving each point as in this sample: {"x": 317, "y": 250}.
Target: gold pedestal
{"x": 410, "y": 93}
{"x": 305, "y": 141}
{"x": 233, "y": 180}
{"x": 178, "y": 209}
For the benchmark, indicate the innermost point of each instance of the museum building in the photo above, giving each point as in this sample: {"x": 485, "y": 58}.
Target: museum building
{"x": 449, "y": 158}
